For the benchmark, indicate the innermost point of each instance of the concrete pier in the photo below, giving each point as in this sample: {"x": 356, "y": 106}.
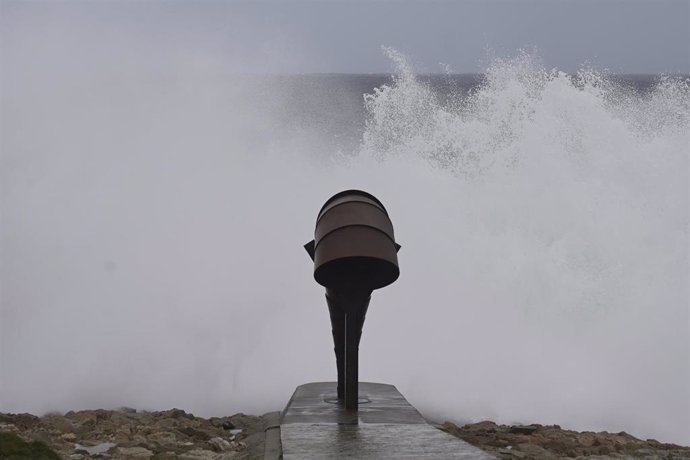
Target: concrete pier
{"x": 315, "y": 426}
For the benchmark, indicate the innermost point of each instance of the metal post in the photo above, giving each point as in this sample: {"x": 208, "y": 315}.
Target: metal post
{"x": 338, "y": 330}
{"x": 351, "y": 363}
{"x": 354, "y": 253}
{"x": 347, "y": 320}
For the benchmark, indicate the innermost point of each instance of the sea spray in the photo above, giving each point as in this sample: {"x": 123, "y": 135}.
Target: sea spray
{"x": 152, "y": 243}
{"x": 549, "y": 254}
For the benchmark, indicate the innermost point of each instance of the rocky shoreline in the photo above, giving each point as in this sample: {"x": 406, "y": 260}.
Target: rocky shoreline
{"x": 128, "y": 433}
{"x": 176, "y": 434}
{"x": 552, "y": 442}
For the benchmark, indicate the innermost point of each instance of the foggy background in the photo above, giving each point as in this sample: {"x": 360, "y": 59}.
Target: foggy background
{"x": 154, "y": 207}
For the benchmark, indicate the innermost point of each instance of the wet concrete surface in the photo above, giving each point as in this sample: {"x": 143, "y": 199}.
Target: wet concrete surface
{"x": 315, "y": 426}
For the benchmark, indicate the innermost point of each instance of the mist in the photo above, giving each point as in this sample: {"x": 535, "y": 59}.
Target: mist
{"x": 154, "y": 208}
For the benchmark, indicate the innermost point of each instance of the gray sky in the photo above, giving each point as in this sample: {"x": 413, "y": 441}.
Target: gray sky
{"x": 294, "y": 37}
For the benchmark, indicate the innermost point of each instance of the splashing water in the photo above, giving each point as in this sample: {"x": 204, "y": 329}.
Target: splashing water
{"x": 152, "y": 252}
{"x": 551, "y": 224}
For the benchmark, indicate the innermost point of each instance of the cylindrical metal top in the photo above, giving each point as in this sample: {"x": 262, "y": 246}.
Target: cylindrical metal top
{"x": 354, "y": 245}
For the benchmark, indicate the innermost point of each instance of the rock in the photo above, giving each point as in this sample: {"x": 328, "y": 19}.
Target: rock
{"x": 239, "y": 445}
{"x": 523, "y": 429}
{"x": 228, "y": 425}
{"x": 510, "y": 453}
{"x": 85, "y": 427}
{"x": 145, "y": 430}
{"x": 166, "y": 456}
{"x": 233, "y": 456}
{"x": 194, "y": 433}
{"x": 586, "y": 439}
{"x": 133, "y": 452}
{"x": 163, "y": 438}
{"x": 9, "y": 427}
{"x": 101, "y": 414}
{"x": 483, "y": 426}
{"x": 219, "y": 444}
{"x": 534, "y": 451}
{"x": 177, "y": 413}
{"x": 222, "y": 422}
{"x": 124, "y": 428}
{"x": 162, "y": 456}
{"x": 138, "y": 440}
{"x": 69, "y": 437}
{"x": 603, "y": 450}
{"x": 21, "y": 421}
{"x": 247, "y": 422}
{"x": 167, "y": 423}
{"x": 60, "y": 423}
{"x": 199, "y": 454}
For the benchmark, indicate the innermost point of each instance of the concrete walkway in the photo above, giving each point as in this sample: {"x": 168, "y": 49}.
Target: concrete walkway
{"x": 315, "y": 426}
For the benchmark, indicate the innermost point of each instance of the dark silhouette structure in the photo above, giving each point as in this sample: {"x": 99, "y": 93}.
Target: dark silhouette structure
{"x": 354, "y": 252}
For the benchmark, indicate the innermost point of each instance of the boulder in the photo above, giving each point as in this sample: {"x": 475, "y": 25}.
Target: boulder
{"x": 219, "y": 444}
{"x": 133, "y": 452}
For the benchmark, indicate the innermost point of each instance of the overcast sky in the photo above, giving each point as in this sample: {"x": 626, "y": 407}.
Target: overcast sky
{"x": 326, "y": 36}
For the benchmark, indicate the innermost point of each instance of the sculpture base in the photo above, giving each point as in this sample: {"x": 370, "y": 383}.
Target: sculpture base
{"x": 385, "y": 427}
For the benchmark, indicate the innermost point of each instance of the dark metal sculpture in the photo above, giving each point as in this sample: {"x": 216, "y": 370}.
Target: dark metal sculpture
{"x": 354, "y": 252}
